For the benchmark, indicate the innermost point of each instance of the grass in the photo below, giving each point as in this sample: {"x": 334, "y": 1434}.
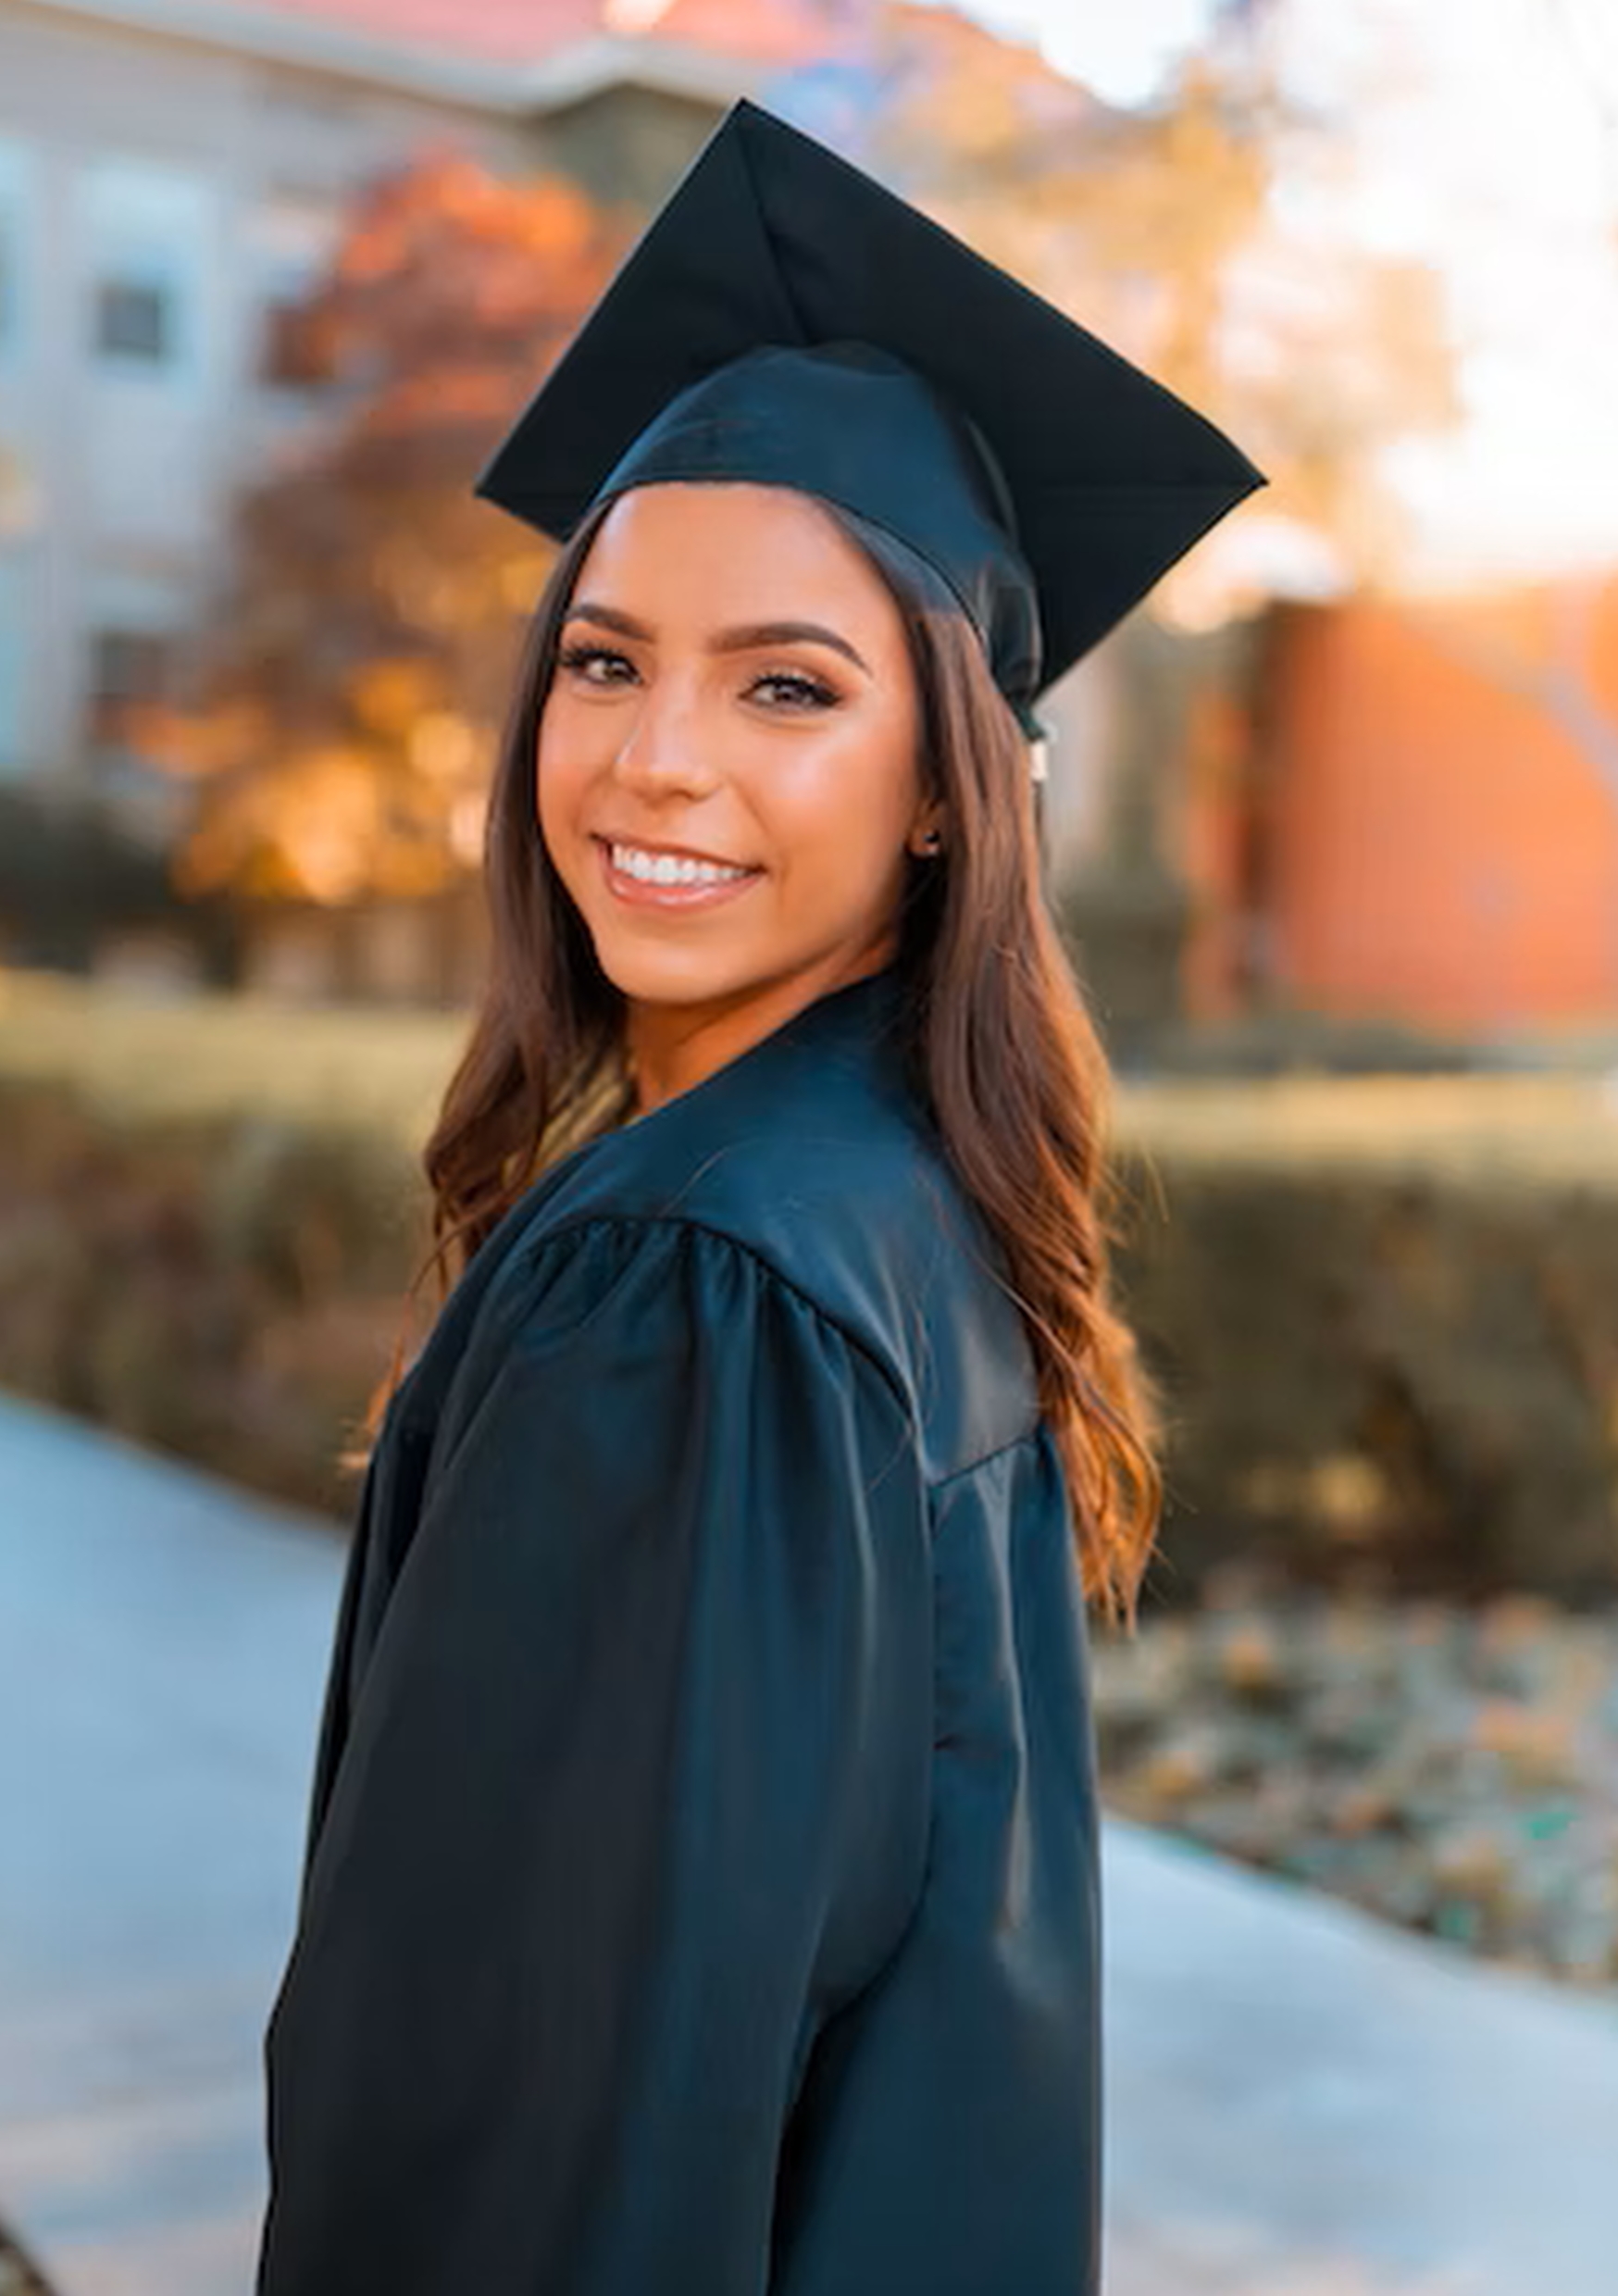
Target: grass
{"x": 204, "y": 1057}
{"x": 1485, "y": 1126}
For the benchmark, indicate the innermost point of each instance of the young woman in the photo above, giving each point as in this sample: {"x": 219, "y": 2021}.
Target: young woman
{"x": 701, "y": 1896}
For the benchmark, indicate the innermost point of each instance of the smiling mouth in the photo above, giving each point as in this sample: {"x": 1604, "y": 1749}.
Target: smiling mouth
{"x": 670, "y": 866}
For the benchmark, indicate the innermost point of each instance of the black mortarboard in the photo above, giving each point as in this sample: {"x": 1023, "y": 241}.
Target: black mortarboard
{"x": 784, "y": 319}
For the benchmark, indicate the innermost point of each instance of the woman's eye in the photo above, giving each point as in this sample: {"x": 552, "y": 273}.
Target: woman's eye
{"x": 792, "y": 689}
{"x": 595, "y": 665}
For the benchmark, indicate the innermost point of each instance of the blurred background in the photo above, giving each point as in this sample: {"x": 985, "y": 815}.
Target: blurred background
{"x": 1333, "y": 823}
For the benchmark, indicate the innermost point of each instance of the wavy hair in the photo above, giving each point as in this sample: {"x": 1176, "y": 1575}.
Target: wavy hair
{"x": 998, "y": 1040}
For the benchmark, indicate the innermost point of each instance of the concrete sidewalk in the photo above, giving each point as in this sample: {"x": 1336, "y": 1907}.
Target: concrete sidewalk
{"x": 163, "y": 1643}
{"x": 1301, "y": 2101}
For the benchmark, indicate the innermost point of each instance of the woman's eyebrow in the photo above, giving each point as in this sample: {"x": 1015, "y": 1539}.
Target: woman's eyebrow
{"x": 736, "y": 641}
{"x": 782, "y": 633}
{"x": 584, "y": 609}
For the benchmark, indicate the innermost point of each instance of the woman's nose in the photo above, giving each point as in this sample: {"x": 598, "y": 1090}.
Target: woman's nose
{"x": 664, "y": 748}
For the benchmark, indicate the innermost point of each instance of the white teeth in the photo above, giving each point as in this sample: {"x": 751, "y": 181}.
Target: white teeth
{"x": 667, "y": 869}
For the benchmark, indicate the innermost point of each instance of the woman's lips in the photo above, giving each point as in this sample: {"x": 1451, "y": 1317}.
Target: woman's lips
{"x": 640, "y": 892}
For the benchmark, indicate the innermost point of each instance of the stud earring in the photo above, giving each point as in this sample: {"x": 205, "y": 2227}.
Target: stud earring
{"x": 933, "y": 841}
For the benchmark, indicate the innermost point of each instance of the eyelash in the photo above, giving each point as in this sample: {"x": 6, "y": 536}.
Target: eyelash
{"x": 807, "y": 692}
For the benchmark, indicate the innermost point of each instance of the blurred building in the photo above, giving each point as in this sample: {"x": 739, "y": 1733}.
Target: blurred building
{"x": 171, "y": 173}
{"x": 1422, "y": 822}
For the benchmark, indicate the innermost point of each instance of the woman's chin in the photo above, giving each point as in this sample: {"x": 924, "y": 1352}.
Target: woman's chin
{"x": 674, "y": 975}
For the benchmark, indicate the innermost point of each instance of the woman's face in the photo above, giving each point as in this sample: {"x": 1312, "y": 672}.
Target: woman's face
{"x": 728, "y": 756}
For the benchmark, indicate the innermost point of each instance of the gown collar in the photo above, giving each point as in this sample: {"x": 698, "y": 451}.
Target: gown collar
{"x": 854, "y": 1013}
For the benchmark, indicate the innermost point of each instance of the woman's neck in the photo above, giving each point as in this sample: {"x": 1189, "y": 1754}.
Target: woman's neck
{"x": 669, "y": 1048}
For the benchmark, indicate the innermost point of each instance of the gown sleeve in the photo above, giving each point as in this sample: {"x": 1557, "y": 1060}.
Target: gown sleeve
{"x": 635, "y": 1796}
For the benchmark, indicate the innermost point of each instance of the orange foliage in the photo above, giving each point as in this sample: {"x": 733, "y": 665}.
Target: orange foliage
{"x": 341, "y": 707}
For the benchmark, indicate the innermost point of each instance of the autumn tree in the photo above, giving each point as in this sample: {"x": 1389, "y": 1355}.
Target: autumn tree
{"x": 343, "y": 701}
{"x": 1203, "y": 236}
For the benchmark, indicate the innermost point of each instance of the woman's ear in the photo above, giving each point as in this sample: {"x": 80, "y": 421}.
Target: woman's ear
{"x": 926, "y": 834}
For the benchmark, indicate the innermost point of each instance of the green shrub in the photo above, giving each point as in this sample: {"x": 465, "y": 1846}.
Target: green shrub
{"x": 1384, "y": 1311}
{"x": 227, "y": 1290}
{"x": 1391, "y": 1377}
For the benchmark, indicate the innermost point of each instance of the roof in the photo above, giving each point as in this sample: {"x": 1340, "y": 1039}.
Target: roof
{"x": 525, "y": 56}
{"x": 507, "y": 54}
{"x": 527, "y": 32}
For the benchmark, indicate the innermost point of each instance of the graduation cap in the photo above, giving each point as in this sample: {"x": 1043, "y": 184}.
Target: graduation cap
{"x": 786, "y": 319}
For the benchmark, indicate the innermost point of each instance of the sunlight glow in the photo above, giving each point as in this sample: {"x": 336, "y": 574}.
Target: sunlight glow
{"x": 1486, "y": 137}
{"x": 1121, "y": 53}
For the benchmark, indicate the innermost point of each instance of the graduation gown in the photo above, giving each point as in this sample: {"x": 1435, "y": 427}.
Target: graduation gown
{"x": 700, "y": 1896}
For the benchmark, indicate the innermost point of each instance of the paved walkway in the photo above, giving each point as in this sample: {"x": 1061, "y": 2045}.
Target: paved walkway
{"x": 162, "y": 1645}
{"x": 1302, "y": 2103}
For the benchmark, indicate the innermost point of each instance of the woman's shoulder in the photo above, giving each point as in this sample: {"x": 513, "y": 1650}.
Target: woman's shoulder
{"x": 827, "y": 1203}
{"x": 843, "y": 1216}
{"x": 812, "y": 1158}
{"x": 807, "y": 1151}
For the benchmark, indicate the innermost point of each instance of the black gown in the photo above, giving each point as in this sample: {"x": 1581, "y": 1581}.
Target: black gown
{"x": 701, "y": 1896}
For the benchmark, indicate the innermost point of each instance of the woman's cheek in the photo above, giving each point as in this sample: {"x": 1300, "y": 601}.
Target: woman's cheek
{"x": 563, "y": 775}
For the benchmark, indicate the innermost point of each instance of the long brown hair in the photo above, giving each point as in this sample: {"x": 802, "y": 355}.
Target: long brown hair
{"x": 1000, "y": 1044}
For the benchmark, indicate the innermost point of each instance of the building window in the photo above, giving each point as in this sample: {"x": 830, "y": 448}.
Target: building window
{"x": 150, "y": 254}
{"x": 291, "y": 239}
{"x": 133, "y": 320}
{"x": 296, "y": 353}
{"x": 129, "y": 669}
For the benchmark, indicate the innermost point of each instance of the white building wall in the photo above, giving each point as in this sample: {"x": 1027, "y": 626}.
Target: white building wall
{"x": 1081, "y": 711}
{"x": 16, "y": 624}
{"x": 19, "y": 450}
{"x": 219, "y": 179}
